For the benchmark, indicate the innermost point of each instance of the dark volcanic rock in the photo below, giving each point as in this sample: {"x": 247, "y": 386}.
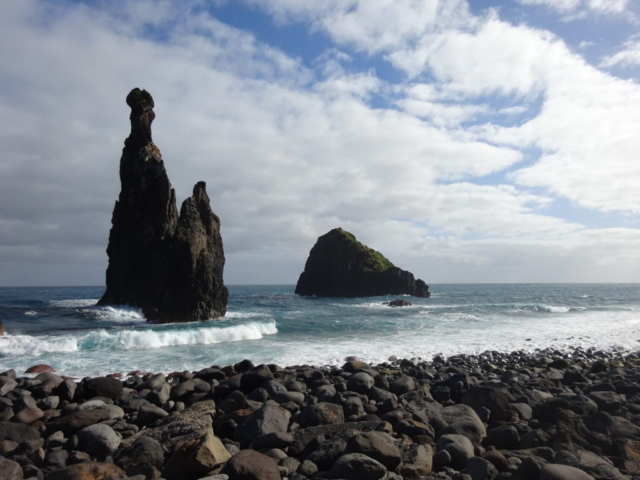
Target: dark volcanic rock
{"x": 340, "y": 266}
{"x": 398, "y": 303}
{"x": 170, "y": 266}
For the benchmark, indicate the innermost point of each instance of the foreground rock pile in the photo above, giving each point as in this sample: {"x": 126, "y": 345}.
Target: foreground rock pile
{"x": 517, "y": 416}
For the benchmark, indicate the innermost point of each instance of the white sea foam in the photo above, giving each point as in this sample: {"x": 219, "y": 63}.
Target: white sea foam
{"x": 117, "y": 314}
{"x": 76, "y": 303}
{"x": 31, "y": 312}
{"x": 544, "y": 308}
{"x": 15, "y": 345}
{"x": 148, "y": 339}
{"x": 245, "y": 314}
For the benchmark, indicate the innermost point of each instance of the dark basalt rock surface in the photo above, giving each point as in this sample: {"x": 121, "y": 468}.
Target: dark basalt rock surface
{"x": 169, "y": 265}
{"x": 340, "y": 266}
{"x": 398, "y": 303}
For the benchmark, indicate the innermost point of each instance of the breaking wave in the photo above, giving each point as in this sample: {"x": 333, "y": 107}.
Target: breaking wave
{"x": 15, "y": 345}
{"x": 148, "y": 339}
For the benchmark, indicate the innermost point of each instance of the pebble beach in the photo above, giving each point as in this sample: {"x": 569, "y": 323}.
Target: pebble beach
{"x": 548, "y": 415}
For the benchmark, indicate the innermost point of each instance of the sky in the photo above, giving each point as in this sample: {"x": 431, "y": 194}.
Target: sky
{"x": 468, "y": 141}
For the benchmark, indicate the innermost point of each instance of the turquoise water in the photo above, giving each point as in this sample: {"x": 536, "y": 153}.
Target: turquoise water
{"x": 62, "y": 327}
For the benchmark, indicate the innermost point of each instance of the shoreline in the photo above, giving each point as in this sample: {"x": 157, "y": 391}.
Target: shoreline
{"x": 517, "y": 415}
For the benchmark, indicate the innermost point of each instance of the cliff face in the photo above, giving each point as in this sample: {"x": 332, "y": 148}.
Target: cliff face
{"x": 170, "y": 266}
{"x": 340, "y": 266}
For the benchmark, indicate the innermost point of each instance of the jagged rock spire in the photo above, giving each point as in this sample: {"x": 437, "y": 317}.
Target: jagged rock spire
{"x": 170, "y": 266}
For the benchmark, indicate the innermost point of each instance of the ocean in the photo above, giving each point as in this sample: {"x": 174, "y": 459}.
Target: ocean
{"x": 63, "y": 327}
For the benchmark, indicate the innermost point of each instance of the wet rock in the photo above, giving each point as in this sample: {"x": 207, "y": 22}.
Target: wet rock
{"x": 355, "y": 466}
{"x": 398, "y": 303}
{"x": 251, "y": 465}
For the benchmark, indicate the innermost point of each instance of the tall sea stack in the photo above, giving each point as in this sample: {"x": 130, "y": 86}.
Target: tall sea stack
{"x": 168, "y": 265}
{"x": 340, "y": 266}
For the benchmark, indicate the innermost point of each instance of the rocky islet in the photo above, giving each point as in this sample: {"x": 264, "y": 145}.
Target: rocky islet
{"x": 341, "y": 266}
{"x": 546, "y": 416}
{"x": 169, "y": 265}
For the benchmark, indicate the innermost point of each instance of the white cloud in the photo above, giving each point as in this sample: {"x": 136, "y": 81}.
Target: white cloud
{"x": 289, "y": 152}
{"x": 629, "y": 56}
{"x": 581, "y": 7}
{"x": 373, "y": 26}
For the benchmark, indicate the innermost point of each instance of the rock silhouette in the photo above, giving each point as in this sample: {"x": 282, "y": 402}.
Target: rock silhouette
{"x": 340, "y": 266}
{"x": 168, "y": 265}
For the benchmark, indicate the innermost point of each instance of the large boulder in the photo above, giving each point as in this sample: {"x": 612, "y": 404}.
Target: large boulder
{"x": 459, "y": 447}
{"x": 463, "y": 420}
{"x": 340, "y": 266}
{"x": 268, "y": 419}
{"x": 17, "y": 432}
{"x": 10, "y": 470}
{"x": 494, "y": 399}
{"x": 168, "y": 265}
{"x": 321, "y": 414}
{"x": 251, "y": 465}
{"x": 70, "y": 424}
{"x": 98, "y": 440}
{"x": 108, "y": 387}
{"x": 378, "y": 445}
{"x": 144, "y": 452}
{"x": 192, "y": 423}
{"x": 193, "y": 459}
{"x": 356, "y": 466}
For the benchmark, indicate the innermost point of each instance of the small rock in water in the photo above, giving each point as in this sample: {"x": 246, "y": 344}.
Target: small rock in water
{"x": 398, "y": 303}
